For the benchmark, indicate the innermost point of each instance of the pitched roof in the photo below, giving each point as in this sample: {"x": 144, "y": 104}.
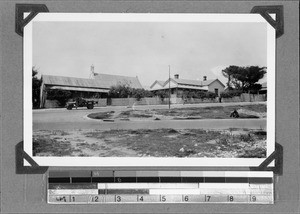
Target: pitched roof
{"x": 73, "y": 81}
{"x": 160, "y": 82}
{"x": 105, "y": 82}
{"x": 264, "y": 85}
{"x": 117, "y": 79}
{"x": 194, "y": 82}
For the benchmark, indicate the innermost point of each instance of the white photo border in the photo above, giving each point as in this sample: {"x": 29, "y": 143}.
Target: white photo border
{"x": 145, "y": 161}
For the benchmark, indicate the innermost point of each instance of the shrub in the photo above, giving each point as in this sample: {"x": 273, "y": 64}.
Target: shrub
{"x": 140, "y": 93}
{"x": 230, "y": 93}
{"x": 199, "y": 94}
{"x": 162, "y": 94}
{"x": 210, "y": 95}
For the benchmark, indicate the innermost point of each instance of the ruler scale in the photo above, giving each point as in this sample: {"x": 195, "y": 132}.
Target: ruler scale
{"x": 96, "y": 187}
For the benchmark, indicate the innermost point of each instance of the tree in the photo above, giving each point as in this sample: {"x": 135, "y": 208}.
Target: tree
{"x": 36, "y": 84}
{"x": 124, "y": 90}
{"x": 229, "y": 73}
{"x": 120, "y": 91}
{"x": 140, "y": 93}
{"x": 244, "y": 78}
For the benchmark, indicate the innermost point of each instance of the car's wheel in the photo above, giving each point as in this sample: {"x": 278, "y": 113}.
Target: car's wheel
{"x": 90, "y": 106}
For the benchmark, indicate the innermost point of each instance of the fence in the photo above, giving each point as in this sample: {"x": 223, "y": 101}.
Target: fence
{"x": 158, "y": 101}
{"x": 134, "y": 101}
{"x": 55, "y": 103}
{"x": 246, "y": 98}
{"x": 101, "y": 102}
{"x": 204, "y": 100}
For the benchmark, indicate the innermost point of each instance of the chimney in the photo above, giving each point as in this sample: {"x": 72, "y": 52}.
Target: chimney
{"x": 204, "y": 78}
{"x": 92, "y": 74}
{"x": 92, "y": 69}
{"x": 176, "y": 76}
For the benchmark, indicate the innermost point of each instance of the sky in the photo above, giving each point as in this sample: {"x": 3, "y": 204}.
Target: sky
{"x": 146, "y": 50}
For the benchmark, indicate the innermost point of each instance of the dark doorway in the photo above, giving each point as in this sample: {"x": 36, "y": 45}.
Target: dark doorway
{"x": 217, "y": 91}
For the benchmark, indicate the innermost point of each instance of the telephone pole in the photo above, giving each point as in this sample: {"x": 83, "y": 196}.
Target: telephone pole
{"x": 169, "y": 89}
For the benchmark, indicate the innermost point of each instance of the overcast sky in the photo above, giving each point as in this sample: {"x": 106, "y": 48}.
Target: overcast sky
{"x": 193, "y": 50}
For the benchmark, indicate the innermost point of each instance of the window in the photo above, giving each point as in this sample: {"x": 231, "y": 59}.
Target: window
{"x": 217, "y": 91}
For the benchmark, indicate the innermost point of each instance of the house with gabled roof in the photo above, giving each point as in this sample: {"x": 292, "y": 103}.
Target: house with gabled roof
{"x": 179, "y": 86}
{"x": 158, "y": 84}
{"x": 97, "y": 87}
{"x": 263, "y": 89}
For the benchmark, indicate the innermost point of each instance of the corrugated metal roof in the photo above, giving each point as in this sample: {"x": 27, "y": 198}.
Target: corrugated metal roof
{"x": 116, "y": 80}
{"x": 104, "y": 83}
{"x": 184, "y": 83}
{"x": 193, "y": 82}
{"x": 204, "y": 88}
{"x": 73, "y": 81}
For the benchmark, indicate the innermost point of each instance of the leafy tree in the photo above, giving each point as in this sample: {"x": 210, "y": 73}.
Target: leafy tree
{"x": 229, "y": 73}
{"x": 244, "y": 78}
{"x": 140, "y": 93}
{"x": 36, "y": 84}
{"x": 124, "y": 90}
{"x": 120, "y": 91}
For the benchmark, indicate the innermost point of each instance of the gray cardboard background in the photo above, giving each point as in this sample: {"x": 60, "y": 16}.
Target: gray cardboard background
{"x": 27, "y": 193}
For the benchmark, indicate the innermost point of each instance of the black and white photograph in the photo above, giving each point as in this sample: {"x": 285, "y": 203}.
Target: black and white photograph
{"x": 149, "y": 89}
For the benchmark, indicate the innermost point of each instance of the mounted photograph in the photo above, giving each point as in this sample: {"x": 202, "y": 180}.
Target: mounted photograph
{"x": 132, "y": 90}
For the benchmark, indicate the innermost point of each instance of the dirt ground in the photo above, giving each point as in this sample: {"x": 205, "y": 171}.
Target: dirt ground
{"x": 231, "y": 143}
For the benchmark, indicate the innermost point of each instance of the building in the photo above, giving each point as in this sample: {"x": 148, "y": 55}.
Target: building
{"x": 97, "y": 87}
{"x": 179, "y": 86}
{"x": 263, "y": 89}
{"x": 157, "y": 85}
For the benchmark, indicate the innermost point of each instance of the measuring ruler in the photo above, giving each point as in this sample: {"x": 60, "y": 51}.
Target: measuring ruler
{"x": 100, "y": 187}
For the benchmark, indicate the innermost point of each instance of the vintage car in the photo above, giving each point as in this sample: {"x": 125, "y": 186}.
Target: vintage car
{"x": 79, "y": 102}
